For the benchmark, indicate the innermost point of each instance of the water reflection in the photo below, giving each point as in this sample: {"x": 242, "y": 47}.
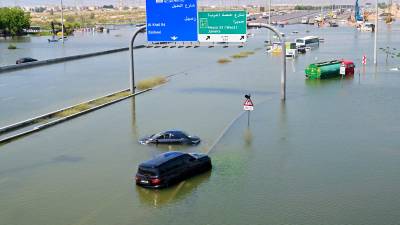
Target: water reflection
{"x": 159, "y": 198}
{"x": 65, "y": 159}
{"x": 285, "y": 150}
{"x": 235, "y": 91}
{"x": 324, "y": 83}
{"x": 248, "y": 137}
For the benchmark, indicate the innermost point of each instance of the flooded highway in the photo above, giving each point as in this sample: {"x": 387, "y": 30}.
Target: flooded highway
{"x": 329, "y": 155}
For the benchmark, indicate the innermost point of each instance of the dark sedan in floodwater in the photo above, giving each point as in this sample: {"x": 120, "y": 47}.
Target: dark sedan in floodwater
{"x": 170, "y": 137}
{"x": 170, "y": 168}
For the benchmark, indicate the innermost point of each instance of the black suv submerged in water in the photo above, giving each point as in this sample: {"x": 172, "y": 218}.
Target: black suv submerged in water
{"x": 170, "y": 168}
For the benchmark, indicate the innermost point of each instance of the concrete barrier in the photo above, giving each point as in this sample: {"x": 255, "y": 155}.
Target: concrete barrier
{"x": 33, "y": 120}
{"x": 62, "y": 59}
{"x": 57, "y": 121}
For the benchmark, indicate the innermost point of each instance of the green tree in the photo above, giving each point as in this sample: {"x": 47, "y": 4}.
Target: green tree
{"x": 70, "y": 27}
{"x": 382, "y": 5}
{"x": 2, "y": 19}
{"x": 70, "y": 19}
{"x": 13, "y": 21}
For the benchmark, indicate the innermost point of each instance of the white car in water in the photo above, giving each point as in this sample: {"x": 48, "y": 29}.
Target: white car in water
{"x": 368, "y": 27}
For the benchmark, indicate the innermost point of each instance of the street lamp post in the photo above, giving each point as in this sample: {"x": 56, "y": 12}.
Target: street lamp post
{"x": 132, "y": 64}
{"x": 62, "y": 21}
{"x": 282, "y": 40}
{"x": 269, "y": 12}
{"x": 376, "y": 35}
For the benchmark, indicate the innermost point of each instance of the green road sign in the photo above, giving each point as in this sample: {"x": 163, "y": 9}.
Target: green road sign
{"x": 222, "y": 26}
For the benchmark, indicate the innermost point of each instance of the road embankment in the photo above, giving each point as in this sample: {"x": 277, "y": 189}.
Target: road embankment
{"x": 62, "y": 59}
{"x": 33, "y": 125}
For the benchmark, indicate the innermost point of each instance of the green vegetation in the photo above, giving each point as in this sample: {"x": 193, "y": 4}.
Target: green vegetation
{"x": 224, "y": 60}
{"x": 305, "y": 7}
{"x": 70, "y": 27}
{"x": 151, "y": 82}
{"x": 248, "y": 52}
{"x": 43, "y": 33}
{"x": 89, "y": 18}
{"x": 239, "y": 55}
{"x": 12, "y": 46}
{"x": 91, "y": 104}
{"x": 13, "y": 21}
{"x": 382, "y": 5}
{"x": 242, "y": 54}
{"x": 73, "y": 110}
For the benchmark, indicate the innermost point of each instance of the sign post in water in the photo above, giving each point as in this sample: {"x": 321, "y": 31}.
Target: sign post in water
{"x": 248, "y": 106}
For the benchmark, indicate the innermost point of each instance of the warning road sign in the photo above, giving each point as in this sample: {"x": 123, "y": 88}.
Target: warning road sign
{"x": 248, "y": 105}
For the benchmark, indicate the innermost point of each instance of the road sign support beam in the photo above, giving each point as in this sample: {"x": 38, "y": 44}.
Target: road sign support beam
{"x": 282, "y": 41}
{"x": 132, "y": 64}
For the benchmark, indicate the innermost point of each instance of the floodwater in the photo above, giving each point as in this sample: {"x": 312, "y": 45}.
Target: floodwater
{"x": 82, "y": 42}
{"x": 329, "y": 155}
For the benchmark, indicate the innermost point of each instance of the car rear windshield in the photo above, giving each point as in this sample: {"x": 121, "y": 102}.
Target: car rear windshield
{"x": 147, "y": 171}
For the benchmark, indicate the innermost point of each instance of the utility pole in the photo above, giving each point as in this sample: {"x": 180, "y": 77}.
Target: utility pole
{"x": 269, "y": 22}
{"x": 376, "y": 35}
{"x": 62, "y": 21}
{"x": 269, "y": 13}
{"x": 282, "y": 40}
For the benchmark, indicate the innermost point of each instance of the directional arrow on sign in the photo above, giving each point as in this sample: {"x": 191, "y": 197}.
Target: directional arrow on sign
{"x": 174, "y": 38}
{"x": 208, "y": 37}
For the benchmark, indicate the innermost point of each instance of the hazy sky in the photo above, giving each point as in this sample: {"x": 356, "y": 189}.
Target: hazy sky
{"x": 201, "y": 2}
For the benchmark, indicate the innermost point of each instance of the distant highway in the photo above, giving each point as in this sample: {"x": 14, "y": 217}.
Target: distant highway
{"x": 291, "y": 18}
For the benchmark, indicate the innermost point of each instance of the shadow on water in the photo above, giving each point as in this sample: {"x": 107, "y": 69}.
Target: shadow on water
{"x": 162, "y": 197}
{"x": 248, "y": 137}
{"x": 157, "y": 149}
{"x": 333, "y": 82}
{"x": 56, "y": 160}
{"x": 285, "y": 150}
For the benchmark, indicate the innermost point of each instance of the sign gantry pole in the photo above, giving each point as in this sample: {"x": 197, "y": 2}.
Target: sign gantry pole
{"x": 132, "y": 64}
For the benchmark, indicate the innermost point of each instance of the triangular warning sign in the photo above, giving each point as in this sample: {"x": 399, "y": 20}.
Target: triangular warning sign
{"x": 248, "y": 102}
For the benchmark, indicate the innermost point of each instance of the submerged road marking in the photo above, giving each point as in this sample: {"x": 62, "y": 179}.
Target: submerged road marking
{"x": 229, "y": 127}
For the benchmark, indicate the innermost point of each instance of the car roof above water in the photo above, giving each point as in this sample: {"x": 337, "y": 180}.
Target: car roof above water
{"x": 161, "y": 159}
{"x": 176, "y": 133}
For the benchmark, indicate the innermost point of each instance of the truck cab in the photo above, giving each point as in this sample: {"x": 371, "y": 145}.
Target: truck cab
{"x": 291, "y": 50}
{"x": 347, "y": 68}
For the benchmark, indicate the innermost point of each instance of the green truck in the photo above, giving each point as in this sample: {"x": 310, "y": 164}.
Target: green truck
{"x": 323, "y": 70}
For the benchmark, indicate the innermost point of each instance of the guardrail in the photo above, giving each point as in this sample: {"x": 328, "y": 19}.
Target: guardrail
{"x": 36, "y": 120}
{"x": 62, "y": 59}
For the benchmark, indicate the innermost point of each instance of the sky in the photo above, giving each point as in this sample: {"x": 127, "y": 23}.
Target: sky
{"x": 201, "y": 2}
